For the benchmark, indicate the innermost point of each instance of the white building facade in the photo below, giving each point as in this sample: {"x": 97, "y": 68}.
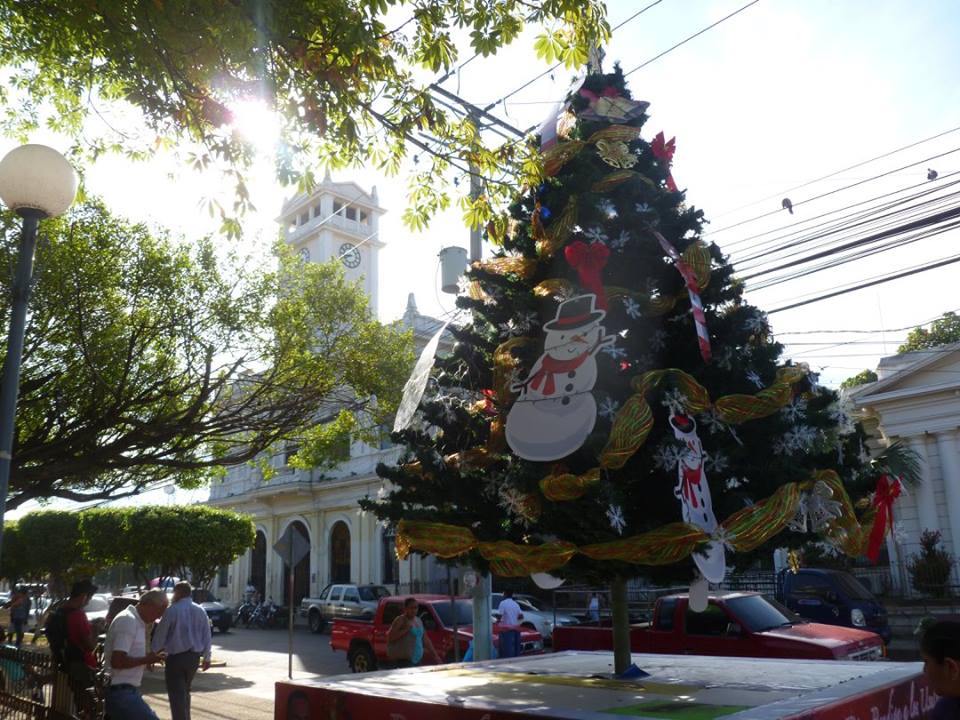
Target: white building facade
{"x": 916, "y": 401}
{"x": 337, "y": 220}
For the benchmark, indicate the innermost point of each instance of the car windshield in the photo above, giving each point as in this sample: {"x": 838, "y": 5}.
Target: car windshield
{"x": 852, "y": 587}
{"x": 445, "y": 612}
{"x": 758, "y": 613}
{"x": 372, "y": 593}
{"x": 96, "y": 604}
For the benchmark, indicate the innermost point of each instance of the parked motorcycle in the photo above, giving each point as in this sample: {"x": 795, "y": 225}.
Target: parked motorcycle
{"x": 267, "y": 615}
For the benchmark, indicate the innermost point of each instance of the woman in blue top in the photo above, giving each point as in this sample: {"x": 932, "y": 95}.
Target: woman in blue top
{"x": 409, "y": 625}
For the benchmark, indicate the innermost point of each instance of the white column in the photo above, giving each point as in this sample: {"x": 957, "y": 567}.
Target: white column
{"x": 950, "y": 470}
{"x": 926, "y": 503}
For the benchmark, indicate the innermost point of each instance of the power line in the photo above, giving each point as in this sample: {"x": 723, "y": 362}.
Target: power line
{"x": 869, "y": 332}
{"x": 696, "y": 34}
{"x": 863, "y": 217}
{"x": 917, "y": 269}
{"x": 831, "y": 192}
{"x": 924, "y": 222}
{"x": 549, "y": 70}
{"x": 837, "y": 172}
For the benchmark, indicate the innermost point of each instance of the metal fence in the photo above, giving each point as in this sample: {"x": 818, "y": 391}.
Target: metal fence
{"x": 31, "y": 687}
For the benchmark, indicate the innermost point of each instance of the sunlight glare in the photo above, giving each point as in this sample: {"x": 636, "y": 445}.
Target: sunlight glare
{"x": 257, "y": 124}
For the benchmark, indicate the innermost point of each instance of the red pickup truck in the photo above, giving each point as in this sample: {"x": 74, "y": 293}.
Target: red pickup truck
{"x": 365, "y": 641}
{"x": 737, "y": 624}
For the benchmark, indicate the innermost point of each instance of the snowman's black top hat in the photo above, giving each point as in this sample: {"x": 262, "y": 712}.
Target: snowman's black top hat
{"x": 575, "y": 313}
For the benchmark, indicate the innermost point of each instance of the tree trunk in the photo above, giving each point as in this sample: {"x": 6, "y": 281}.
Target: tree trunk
{"x": 621, "y": 625}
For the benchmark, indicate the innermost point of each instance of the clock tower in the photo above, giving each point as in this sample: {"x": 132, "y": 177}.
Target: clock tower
{"x": 337, "y": 220}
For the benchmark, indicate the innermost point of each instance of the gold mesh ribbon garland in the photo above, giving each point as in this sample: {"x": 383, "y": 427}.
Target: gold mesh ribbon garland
{"x": 561, "y": 486}
{"x": 743, "y": 531}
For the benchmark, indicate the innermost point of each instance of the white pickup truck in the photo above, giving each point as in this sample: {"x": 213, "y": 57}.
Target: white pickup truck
{"x": 352, "y": 602}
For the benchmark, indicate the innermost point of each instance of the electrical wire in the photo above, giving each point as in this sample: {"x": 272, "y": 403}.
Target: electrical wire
{"x": 763, "y": 249}
{"x": 917, "y": 269}
{"x": 829, "y": 193}
{"x": 549, "y": 70}
{"x": 927, "y": 221}
{"x": 695, "y": 35}
{"x": 836, "y": 172}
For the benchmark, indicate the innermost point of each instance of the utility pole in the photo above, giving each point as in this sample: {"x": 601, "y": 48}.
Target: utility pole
{"x": 482, "y": 625}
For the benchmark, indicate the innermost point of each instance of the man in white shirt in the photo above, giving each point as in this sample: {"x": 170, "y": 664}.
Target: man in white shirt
{"x": 509, "y": 610}
{"x": 125, "y": 653}
{"x": 184, "y": 633}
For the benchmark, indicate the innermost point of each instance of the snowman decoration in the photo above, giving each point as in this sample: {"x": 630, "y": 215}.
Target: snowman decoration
{"x": 556, "y": 411}
{"x": 693, "y": 492}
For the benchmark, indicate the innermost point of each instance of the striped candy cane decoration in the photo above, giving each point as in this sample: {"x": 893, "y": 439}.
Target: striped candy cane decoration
{"x": 700, "y": 319}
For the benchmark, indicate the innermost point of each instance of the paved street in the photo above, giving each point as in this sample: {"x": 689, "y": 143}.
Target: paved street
{"x": 254, "y": 660}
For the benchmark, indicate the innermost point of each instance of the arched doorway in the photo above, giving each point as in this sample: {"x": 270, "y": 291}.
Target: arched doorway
{"x": 301, "y": 571}
{"x": 258, "y": 563}
{"x": 340, "y": 553}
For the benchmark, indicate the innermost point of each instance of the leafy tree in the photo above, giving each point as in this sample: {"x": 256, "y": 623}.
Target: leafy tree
{"x": 486, "y": 478}
{"x": 348, "y": 86}
{"x": 148, "y": 360}
{"x": 943, "y": 331}
{"x": 50, "y": 544}
{"x": 861, "y": 378}
{"x": 14, "y": 563}
{"x": 172, "y": 540}
{"x": 930, "y": 570}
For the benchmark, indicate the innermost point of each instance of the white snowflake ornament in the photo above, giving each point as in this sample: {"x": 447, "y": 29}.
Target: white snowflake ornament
{"x": 615, "y": 352}
{"x": 632, "y": 308}
{"x": 607, "y": 208}
{"x": 615, "y": 516}
{"x": 754, "y": 377}
{"x": 795, "y": 410}
{"x": 608, "y": 408}
{"x": 620, "y": 241}
{"x": 596, "y": 234}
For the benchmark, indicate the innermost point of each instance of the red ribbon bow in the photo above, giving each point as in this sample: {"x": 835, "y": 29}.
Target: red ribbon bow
{"x": 887, "y": 491}
{"x": 589, "y": 261}
{"x": 663, "y": 149}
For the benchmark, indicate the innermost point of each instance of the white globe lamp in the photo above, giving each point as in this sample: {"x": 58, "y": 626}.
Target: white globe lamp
{"x": 37, "y": 178}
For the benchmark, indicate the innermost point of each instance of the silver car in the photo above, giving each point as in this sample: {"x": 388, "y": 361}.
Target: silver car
{"x": 353, "y": 602}
{"x": 536, "y": 616}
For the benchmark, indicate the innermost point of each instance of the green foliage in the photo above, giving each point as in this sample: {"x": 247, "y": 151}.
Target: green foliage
{"x": 50, "y": 543}
{"x": 14, "y": 564}
{"x": 174, "y": 539}
{"x": 861, "y": 378}
{"x": 649, "y": 315}
{"x": 348, "y": 88}
{"x": 148, "y": 359}
{"x": 943, "y": 331}
{"x": 930, "y": 570}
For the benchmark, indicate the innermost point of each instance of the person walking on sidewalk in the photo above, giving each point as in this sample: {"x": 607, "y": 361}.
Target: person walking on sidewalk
{"x": 126, "y": 652}
{"x": 184, "y": 633}
{"x": 19, "y": 606}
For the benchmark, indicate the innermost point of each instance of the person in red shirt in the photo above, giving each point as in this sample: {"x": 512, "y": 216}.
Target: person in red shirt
{"x": 80, "y": 643}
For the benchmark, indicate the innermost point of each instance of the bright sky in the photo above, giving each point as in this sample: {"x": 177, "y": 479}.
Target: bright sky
{"x": 785, "y": 92}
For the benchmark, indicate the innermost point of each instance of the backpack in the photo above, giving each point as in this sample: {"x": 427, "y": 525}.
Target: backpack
{"x": 56, "y": 631}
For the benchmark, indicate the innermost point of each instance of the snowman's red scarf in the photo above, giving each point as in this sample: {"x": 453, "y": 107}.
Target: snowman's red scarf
{"x": 551, "y": 366}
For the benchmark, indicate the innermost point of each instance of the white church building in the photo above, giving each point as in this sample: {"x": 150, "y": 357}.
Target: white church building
{"x": 337, "y": 220}
{"x": 916, "y": 400}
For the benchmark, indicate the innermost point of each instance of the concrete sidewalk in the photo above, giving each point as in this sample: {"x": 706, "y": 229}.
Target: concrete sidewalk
{"x": 243, "y": 687}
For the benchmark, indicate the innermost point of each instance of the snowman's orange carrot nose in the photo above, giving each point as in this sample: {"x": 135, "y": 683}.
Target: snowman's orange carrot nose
{"x": 579, "y": 339}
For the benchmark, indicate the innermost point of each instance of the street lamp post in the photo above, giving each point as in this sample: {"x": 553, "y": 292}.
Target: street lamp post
{"x": 36, "y": 182}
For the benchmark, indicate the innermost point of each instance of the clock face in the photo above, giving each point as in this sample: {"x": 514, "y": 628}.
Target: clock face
{"x": 349, "y": 255}
{"x": 304, "y": 254}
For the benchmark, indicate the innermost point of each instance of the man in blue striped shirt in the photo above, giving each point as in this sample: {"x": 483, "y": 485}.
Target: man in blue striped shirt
{"x": 184, "y": 632}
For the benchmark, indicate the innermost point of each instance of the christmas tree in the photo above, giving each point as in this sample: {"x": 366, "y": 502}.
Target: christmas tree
{"x": 614, "y": 408}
